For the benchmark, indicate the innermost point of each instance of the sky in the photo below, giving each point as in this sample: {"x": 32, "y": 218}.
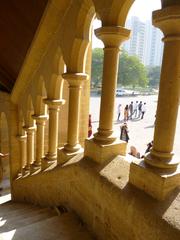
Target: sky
{"x": 141, "y": 8}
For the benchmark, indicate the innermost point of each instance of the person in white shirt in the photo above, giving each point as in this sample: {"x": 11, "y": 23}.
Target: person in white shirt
{"x": 119, "y": 112}
{"x": 143, "y": 110}
{"x": 135, "y": 108}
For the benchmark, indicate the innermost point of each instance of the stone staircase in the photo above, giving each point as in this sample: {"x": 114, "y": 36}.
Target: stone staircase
{"x": 29, "y": 222}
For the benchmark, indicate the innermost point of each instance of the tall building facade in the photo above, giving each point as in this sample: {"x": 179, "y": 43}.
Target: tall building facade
{"x": 145, "y": 42}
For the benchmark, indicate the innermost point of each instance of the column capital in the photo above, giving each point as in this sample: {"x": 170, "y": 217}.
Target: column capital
{"x": 112, "y": 36}
{"x": 40, "y": 119}
{"x": 21, "y": 137}
{"x": 29, "y": 129}
{"x": 75, "y": 79}
{"x": 168, "y": 20}
{"x": 54, "y": 104}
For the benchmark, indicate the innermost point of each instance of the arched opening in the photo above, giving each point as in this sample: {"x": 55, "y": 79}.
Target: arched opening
{"x": 138, "y": 75}
{"x": 4, "y": 158}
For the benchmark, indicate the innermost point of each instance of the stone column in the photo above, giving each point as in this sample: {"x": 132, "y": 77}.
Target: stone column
{"x": 54, "y": 107}
{"x": 30, "y": 146}
{"x": 161, "y": 157}
{"x": 72, "y": 147}
{"x": 22, "y": 143}
{"x": 40, "y": 122}
{"x": 112, "y": 38}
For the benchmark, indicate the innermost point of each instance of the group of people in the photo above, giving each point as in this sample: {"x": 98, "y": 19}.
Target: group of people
{"x": 134, "y": 109}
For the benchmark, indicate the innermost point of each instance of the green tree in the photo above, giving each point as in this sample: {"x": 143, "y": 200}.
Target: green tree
{"x": 154, "y": 76}
{"x": 97, "y": 66}
{"x": 131, "y": 71}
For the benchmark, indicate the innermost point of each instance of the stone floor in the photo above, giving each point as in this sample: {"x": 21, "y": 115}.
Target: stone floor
{"x": 140, "y": 131}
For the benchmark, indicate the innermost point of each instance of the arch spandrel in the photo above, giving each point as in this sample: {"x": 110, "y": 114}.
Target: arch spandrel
{"x": 113, "y": 13}
{"x": 28, "y": 111}
{"x": 41, "y": 93}
{"x": 76, "y": 34}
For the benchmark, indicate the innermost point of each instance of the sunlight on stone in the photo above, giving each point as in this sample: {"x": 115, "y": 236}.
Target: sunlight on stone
{"x": 5, "y": 198}
{"x": 2, "y": 222}
{"x": 8, "y": 235}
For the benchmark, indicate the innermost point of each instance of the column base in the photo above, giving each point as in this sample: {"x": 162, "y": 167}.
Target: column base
{"x": 153, "y": 181}
{"x": 48, "y": 160}
{"x": 64, "y": 155}
{"x": 102, "y": 153}
{"x": 35, "y": 167}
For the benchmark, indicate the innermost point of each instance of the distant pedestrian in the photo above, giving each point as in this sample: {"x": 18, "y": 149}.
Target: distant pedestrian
{"x": 119, "y": 112}
{"x": 126, "y": 113}
{"x": 89, "y": 126}
{"x": 148, "y": 149}
{"x": 130, "y": 110}
{"x": 124, "y": 132}
{"x": 140, "y": 109}
{"x": 135, "y": 108}
{"x": 143, "y": 110}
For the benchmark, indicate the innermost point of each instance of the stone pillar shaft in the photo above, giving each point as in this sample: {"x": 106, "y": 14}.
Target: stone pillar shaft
{"x": 110, "y": 70}
{"x": 112, "y": 38}
{"x": 22, "y": 142}
{"x": 54, "y": 107}
{"x": 161, "y": 155}
{"x": 30, "y": 146}
{"x": 40, "y": 122}
{"x": 168, "y": 101}
{"x": 75, "y": 81}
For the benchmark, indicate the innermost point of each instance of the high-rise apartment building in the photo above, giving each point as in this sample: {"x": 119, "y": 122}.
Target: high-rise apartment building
{"x": 145, "y": 42}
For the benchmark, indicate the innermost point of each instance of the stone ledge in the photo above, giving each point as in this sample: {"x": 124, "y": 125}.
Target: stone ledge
{"x": 153, "y": 182}
{"x": 102, "y": 153}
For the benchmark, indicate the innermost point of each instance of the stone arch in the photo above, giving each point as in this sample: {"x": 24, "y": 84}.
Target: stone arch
{"x": 113, "y": 13}
{"x": 55, "y": 85}
{"x": 28, "y": 111}
{"x": 41, "y": 93}
{"x": 21, "y": 122}
{"x": 4, "y": 146}
{"x": 75, "y": 40}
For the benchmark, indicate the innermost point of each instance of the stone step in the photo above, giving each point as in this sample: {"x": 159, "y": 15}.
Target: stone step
{"x": 64, "y": 227}
{"x": 10, "y": 207}
{"x": 15, "y": 212}
{"x": 8, "y": 224}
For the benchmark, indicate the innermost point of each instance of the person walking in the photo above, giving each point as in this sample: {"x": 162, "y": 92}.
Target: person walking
{"x": 119, "y": 112}
{"x": 135, "y": 108}
{"x": 143, "y": 110}
{"x": 124, "y": 132}
{"x": 126, "y": 113}
{"x": 130, "y": 110}
{"x": 139, "y": 109}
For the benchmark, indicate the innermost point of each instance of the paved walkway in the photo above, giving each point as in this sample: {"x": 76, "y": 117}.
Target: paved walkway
{"x": 140, "y": 131}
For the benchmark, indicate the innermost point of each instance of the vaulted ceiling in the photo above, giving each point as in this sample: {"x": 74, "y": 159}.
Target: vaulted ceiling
{"x": 19, "y": 20}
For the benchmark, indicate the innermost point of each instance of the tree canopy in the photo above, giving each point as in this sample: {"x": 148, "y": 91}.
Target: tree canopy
{"x": 154, "y": 76}
{"x": 131, "y": 71}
